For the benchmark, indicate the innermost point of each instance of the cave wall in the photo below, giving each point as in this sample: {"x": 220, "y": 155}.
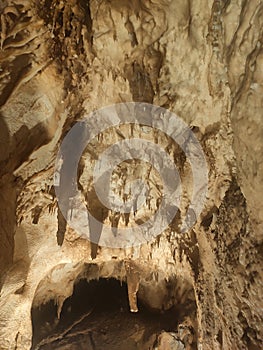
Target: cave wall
{"x": 200, "y": 59}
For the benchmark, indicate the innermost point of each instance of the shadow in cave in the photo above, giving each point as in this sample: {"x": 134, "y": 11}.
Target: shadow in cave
{"x": 4, "y": 140}
{"x": 97, "y": 316}
{"x": 7, "y": 202}
{"x": 14, "y": 150}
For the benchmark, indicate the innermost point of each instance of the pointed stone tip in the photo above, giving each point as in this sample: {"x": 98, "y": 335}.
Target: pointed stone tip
{"x": 134, "y": 310}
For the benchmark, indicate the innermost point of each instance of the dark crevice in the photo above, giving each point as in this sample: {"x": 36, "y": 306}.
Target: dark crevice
{"x": 18, "y": 68}
{"x": 97, "y": 316}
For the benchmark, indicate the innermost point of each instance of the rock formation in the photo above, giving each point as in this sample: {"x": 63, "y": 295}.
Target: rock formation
{"x": 202, "y": 60}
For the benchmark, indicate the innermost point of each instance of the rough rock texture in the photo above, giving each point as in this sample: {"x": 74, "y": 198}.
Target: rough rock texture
{"x": 200, "y": 59}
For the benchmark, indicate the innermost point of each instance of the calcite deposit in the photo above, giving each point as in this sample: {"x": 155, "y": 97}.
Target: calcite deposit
{"x": 59, "y": 62}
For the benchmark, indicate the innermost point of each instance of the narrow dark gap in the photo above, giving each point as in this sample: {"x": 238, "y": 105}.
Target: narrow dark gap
{"x": 97, "y": 316}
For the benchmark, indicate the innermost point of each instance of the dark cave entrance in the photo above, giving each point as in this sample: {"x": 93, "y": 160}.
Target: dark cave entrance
{"x": 97, "y": 316}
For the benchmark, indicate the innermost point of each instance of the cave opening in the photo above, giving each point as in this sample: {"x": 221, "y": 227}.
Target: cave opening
{"x": 97, "y": 316}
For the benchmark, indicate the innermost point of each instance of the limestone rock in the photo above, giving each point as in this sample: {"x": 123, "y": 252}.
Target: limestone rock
{"x": 202, "y": 60}
{"x": 169, "y": 341}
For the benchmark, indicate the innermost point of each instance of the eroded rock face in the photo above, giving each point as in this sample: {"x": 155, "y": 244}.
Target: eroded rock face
{"x": 201, "y": 60}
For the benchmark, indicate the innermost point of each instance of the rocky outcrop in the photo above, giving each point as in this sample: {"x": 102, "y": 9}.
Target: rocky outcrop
{"x": 199, "y": 59}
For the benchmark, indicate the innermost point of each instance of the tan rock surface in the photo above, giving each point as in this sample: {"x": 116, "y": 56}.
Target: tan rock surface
{"x": 201, "y": 60}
